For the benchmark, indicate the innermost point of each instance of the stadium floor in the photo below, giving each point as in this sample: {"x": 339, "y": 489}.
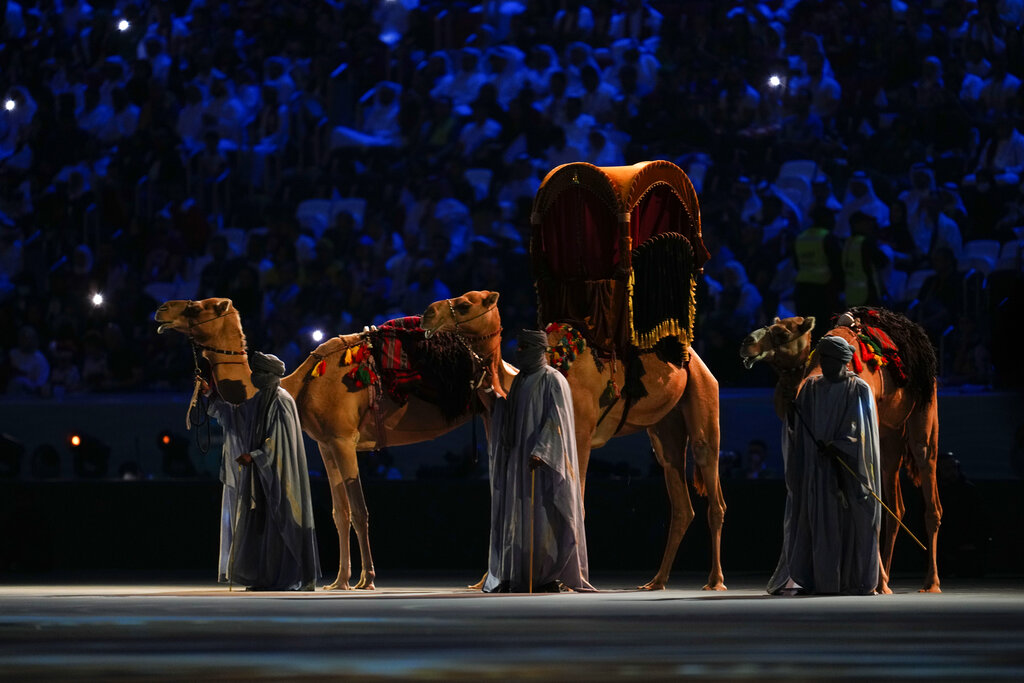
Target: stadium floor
{"x": 429, "y": 627}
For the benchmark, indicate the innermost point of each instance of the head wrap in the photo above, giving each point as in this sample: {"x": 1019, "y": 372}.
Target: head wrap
{"x": 266, "y": 368}
{"x": 835, "y": 347}
{"x": 267, "y": 371}
{"x": 531, "y": 355}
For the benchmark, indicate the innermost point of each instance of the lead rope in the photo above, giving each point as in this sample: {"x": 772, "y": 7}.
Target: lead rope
{"x": 200, "y": 405}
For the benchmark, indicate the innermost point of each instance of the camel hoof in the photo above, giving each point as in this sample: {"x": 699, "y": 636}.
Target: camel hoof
{"x": 365, "y": 586}
{"x": 884, "y": 590}
{"x": 338, "y": 586}
{"x": 930, "y": 589}
{"x": 715, "y": 587}
{"x": 652, "y": 586}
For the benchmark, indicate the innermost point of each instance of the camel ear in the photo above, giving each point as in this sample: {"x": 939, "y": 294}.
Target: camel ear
{"x": 777, "y": 320}
{"x": 222, "y": 307}
{"x": 808, "y": 324}
{"x": 491, "y": 299}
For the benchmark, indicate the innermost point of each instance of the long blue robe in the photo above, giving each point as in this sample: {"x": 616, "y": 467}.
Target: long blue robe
{"x": 539, "y": 411}
{"x": 830, "y": 538}
{"x": 272, "y": 541}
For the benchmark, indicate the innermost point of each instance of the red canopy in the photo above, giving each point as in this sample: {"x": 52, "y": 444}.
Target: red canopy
{"x": 586, "y": 221}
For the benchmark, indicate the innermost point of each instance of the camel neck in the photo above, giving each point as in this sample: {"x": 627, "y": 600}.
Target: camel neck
{"x": 787, "y": 387}
{"x": 230, "y": 367}
{"x": 490, "y": 351}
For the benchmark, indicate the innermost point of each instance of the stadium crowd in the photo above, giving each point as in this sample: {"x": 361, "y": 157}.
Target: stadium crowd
{"x": 330, "y": 164}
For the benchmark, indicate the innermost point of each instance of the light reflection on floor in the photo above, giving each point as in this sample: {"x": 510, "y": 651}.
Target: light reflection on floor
{"x": 433, "y": 628}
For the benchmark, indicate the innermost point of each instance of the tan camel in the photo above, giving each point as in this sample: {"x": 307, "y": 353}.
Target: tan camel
{"x": 335, "y": 414}
{"x": 682, "y": 405}
{"x": 908, "y": 421}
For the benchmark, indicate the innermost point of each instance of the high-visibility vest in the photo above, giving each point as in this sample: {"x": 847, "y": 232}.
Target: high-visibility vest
{"x": 856, "y": 277}
{"x": 812, "y": 263}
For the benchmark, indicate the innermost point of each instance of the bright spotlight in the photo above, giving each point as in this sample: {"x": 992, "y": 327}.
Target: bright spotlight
{"x": 774, "y": 81}
{"x": 10, "y": 104}
{"x": 123, "y": 25}
{"x": 318, "y": 335}
{"x": 76, "y": 440}
{"x": 97, "y": 299}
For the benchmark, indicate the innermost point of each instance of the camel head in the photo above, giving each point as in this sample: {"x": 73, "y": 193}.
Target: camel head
{"x": 474, "y": 315}
{"x": 785, "y": 344}
{"x": 210, "y": 322}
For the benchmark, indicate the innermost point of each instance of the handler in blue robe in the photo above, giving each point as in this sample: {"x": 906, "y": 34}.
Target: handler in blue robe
{"x": 532, "y": 434}
{"x": 268, "y": 535}
{"x": 830, "y": 542}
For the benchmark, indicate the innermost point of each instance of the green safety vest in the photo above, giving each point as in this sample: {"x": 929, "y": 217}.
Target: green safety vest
{"x": 812, "y": 263}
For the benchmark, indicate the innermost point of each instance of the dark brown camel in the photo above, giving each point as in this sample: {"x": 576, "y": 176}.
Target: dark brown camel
{"x": 908, "y": 420}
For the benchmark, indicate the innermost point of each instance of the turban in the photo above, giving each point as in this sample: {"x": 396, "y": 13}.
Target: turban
{"x": 532, "y": 352}
{"x": 267, "y": 369}
{"x": 266, "y": 363}
{"x": 532, "y": 338}
{"x": 835, "y": 347}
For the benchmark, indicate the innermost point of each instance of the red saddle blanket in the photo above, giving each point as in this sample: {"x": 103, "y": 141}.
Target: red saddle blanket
{"x": 876, "y": 349}
{"x": 395, "y": 367}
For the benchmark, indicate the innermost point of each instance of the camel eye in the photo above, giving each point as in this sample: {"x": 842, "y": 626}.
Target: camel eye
{"x": 463, "y": 308}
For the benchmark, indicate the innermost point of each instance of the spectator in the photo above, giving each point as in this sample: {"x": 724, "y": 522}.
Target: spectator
{"x": 861, "y": 197}
{"x": 940, "y": 295}
{"x": 819, "y": 269}
{"x": 756, "y": 457}
{"x": 1002, "y": 155}
{"x": 864, "y": 264}
{"x": 28, "y": 366}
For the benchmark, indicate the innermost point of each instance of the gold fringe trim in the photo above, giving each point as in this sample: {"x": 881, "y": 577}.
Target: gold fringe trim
{"x": 666, "y": 328}
{"x": 629, "y": 302}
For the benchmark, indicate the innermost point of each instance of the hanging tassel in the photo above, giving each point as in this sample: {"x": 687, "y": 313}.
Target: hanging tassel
{"x": 348, "y": 356}
{"x": 609, "y": 395}
{"x": 319, "y": 369}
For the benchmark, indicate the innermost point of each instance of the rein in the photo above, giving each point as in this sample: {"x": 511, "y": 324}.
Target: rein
{"x": 199, "y": 404}
{"x": 466, "y": 339}
{"x": 451, "y": 307}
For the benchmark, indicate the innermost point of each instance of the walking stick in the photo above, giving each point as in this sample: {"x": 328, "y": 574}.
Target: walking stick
{"x": 824, "y": 449}
{"x": 533, "y": 481}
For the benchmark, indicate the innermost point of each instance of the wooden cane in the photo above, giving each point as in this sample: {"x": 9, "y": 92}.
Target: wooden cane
{"x": 533, "y": 481}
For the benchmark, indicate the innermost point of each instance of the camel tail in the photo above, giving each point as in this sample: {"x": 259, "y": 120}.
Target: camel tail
{"x": 699, "y": 485}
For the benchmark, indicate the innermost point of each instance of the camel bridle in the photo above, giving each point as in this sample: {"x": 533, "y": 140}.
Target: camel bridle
{"x": 457, "y": 322}
{"x": 480, "y": 361}
{"x": 773, "y": 346}
{"x": 467, "y": 338}
{"x": 198, "y": 402}
{"x": 198, "y": 345}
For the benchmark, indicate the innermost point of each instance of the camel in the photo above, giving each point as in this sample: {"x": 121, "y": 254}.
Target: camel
{"x": 682, "y": 406}
{"x": 338, "y": 415}
{"x": 908, "y": 421}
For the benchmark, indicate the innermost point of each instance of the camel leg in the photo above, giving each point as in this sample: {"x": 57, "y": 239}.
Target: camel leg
{"x": 891, "y": 448}
{"x": 340, "y": 511}
{"x": 701, "y": 411}
{"x": 668, "y": 438}
{"x": 361, "y": 524}
{"x": 923, "y": 435}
